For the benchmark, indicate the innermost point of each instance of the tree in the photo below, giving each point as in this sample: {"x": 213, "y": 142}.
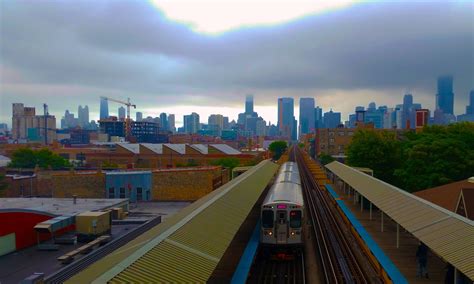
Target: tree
{"x": 438, "y": 155}
{"x": 325, "y": 158}
{"x": 226, "y": 162}
{"x": 44, "y": 158}
{"x": 277, "y": 148}
{"x": 377, "y": 150}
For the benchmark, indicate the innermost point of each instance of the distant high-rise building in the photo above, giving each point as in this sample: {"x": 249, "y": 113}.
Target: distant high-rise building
{"x": 469, "y": 116}
{"x": 286, "y": 118}
{"x": 121, "y": 113}
{"x": 407, "y": 111}
{"x": 163, "y": 121}
{"x": 318, "y": 118}
{"x": 372, "y": 107}
{"x": 83, "y": 116}
{"x": 216, "y": 123}
{"x": 171, "y": 123}
{"x": 69, "y": 121}
{"x": 470, "y": 107}
{"x": 261, "y": 127}
{"x": 191, "y": 123}
{"x": 249, "y": 104}
{"x": 104, "y": 108}
{"x": 307, "y": 119}
{"x": 422, "y": 117}
{"x": 445, "y": 95}
{"x": 332, "y": 119}
{"x": 138, "y": 116}
{"x": 226, "y": 122}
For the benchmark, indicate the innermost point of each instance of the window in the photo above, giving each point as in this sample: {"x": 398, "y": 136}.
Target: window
{"x": 267, "y": 218}
{"x": 111, "y": 192}
{"x": 331, "y": 134}
{"x": 341, "y": 133}
{"x": 122, "y": 192}
{"x": 295, "y": 219}
{"x": 139, "y": 193}
{"x": 350, "y": 133}
{"x": 331, "y": 140}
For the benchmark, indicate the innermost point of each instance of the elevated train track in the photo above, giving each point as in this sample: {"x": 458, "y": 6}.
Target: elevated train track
{"x": 341, "y": 260}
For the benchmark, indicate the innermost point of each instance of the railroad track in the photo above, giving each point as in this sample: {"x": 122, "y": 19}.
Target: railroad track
{"x": 270, "y": 271}
{"x": 77, "y": 266}
{"x": 340, "y": 262}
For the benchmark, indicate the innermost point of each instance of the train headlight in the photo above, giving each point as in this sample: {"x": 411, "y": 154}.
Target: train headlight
{"x": 270, "y": 233}
{"x": 292, "y": 233}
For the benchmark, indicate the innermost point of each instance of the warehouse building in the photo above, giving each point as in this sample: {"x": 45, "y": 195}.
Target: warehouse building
{"x": 19, "y": 216}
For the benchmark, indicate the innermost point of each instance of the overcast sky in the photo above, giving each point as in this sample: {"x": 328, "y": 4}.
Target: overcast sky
{"x": 177, "y": 61}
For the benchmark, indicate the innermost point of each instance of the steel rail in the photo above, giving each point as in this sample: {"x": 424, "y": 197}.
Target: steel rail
{"x": 337, "y": 247}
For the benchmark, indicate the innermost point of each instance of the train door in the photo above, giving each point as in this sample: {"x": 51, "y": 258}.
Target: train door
{"x": 282, "y": 227}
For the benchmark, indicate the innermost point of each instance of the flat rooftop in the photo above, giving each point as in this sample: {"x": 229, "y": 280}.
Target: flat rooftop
{"x": 58, "y": 206}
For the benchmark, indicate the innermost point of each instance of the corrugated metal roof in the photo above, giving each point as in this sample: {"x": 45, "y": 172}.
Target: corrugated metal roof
{"x": 202, "y": 148}
{"x": 156, "y": 148}
{"x": 226, "y": 149}
{"x": 134, "y": 148}
{"x": 449, "y": 235}
{"x": 190, "y": 247}
{"x": 180, "y": 148}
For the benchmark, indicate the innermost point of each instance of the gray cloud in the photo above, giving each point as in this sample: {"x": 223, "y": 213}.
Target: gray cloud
{"x": 128, "y": 48}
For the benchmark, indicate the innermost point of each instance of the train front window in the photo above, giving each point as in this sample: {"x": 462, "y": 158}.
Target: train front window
{"x": 267, "y": 218}
{"x": 295, "y": 219}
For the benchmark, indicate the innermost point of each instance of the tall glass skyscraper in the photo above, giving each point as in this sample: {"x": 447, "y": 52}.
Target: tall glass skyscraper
{"x": 104, "y": 108}
{"x": 307, "y": 123}
{"x": 445, "y": 95}
{"x": 249, "y": 104}
{"x": 286, "y": 118}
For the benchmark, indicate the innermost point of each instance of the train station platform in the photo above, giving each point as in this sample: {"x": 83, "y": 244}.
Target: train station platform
{"x": 398, "y": 221}
{"x": 188, "y": 246}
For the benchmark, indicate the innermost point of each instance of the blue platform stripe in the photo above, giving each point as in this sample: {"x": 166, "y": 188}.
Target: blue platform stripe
{"x": 245, "y": 263}
{"x": 383, "y": 259}
{"x": 331, "y": 191}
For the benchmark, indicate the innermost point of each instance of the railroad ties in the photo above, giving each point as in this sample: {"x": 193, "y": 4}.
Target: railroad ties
{"x": 341, "y": 258}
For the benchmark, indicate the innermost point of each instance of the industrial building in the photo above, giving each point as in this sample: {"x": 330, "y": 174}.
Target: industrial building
{"x": 19, "y": 216}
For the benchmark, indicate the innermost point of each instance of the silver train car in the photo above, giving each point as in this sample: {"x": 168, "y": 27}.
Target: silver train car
{"x": 282, "y": 210}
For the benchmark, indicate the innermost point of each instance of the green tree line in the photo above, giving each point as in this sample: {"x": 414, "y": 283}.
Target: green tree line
{"x": 26, "y": 158}
{"x": 435, "y": 156}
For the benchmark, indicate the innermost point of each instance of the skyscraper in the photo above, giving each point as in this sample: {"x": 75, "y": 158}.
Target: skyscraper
{"x": 307, "y": 119}
{"x": 191, "y": 123}
{"x": 445, "y": 95}
{"x": 249, "y": 104}
{"x": 318, "y": 117}
{"x": 138, "y": 116}
{"x": 171, "y": 123}
{"x": 164, "y": 121}
{"x": 83, "y": 116}
{"x": 286, "y": 118}
{"x": 104, "y": 108}
{"x": 332, "y": 119}
{"x": 470, "y": 107}
{"x": 407, "y": 110}
{"x": 121, "y": 113}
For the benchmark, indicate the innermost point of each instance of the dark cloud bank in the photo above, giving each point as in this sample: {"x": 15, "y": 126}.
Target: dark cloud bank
{"x": 68, "y": 54}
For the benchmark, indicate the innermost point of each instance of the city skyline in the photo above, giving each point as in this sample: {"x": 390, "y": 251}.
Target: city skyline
{"x": 180, "y": 68}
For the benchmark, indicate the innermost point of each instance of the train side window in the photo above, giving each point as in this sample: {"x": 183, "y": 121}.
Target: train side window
{"x": 295, "y": 219}
{"x": 267, "y": 218}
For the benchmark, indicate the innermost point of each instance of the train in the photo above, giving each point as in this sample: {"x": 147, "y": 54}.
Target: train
{"x": 282, "y": 211}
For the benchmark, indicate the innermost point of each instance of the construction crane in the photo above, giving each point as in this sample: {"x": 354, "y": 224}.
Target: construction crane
{"x": 128, "y": 126}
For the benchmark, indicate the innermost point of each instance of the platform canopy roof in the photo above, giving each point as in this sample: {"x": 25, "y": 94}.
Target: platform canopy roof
{"x": 448, "y": 234}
